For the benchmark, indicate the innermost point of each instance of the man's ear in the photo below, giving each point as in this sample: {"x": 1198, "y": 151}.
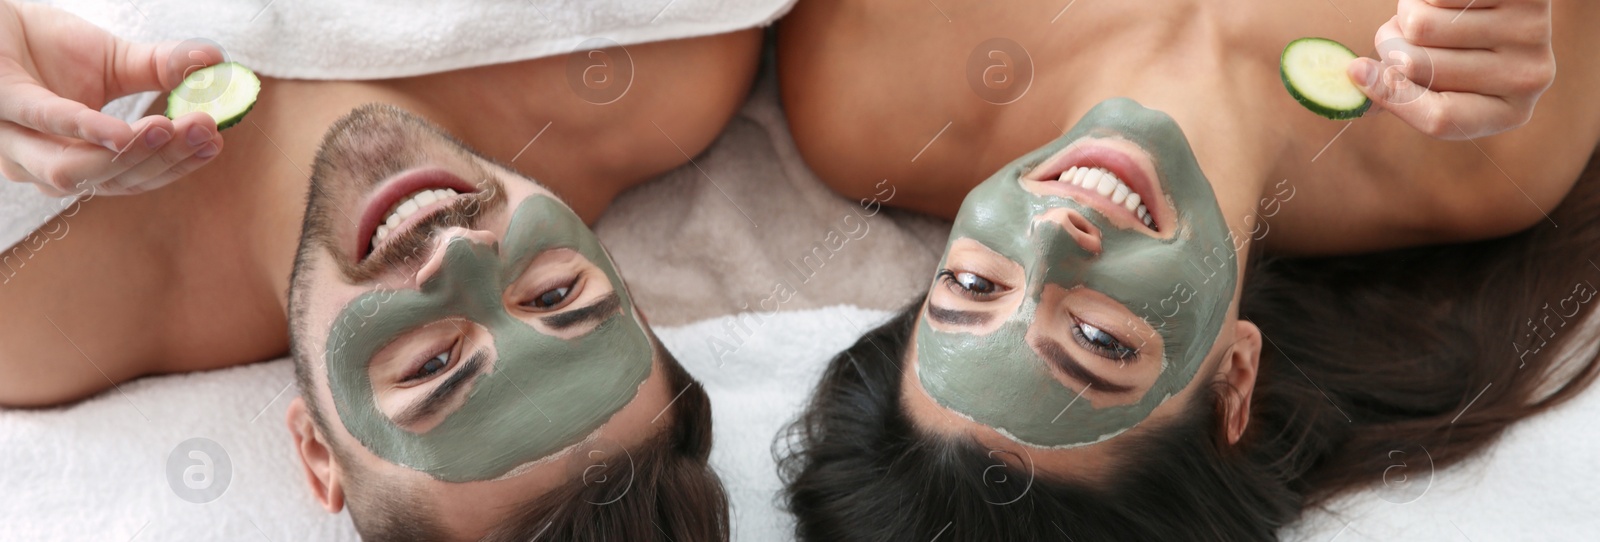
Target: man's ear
{"x": 1238, "y": 371}
{"x": 316, "y": 457}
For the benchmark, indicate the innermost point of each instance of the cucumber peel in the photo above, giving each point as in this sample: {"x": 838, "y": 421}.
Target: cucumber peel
{"x": 225, "y": 91}
{"x": 1313, "y": 69}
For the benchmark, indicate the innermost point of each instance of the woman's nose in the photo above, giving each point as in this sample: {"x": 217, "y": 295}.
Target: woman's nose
{"x": 441, "y": 241}
{"x": 1085, "y": 233}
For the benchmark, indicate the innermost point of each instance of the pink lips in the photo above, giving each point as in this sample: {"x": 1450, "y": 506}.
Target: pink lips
{"x": 396, "y": 189}
{"x": 1133, "y": 172}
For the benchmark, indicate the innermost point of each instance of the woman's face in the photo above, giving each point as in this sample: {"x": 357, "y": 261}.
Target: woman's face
{"x": 1083, "y": 285}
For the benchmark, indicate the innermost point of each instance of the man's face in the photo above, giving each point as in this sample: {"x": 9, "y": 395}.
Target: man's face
{"x": 468, "y": 337}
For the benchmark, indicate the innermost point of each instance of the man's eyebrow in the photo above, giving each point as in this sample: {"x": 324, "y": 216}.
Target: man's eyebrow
{"x": 436, "y": 399}
{"x": 595, "y": 311}
{"x": 1058, "y": 356}
{"x": 958, "y": 318}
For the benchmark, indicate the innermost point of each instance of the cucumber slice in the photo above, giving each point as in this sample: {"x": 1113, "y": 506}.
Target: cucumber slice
{"x": 225, "y": 91}
{"x": 1313, "y": 69}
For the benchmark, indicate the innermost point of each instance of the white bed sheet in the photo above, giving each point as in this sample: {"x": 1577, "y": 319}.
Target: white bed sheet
{"x": 98, "y": 470}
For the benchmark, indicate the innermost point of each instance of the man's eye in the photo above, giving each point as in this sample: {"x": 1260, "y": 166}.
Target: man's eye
{"x": 1102, "y": 343}
{"x": 553, "y": 297}
{"x": 970, "y": 284}
{"x": 431, "y": 367}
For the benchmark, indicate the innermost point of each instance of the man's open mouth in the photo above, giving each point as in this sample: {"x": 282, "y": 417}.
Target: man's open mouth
{"x": 1107, "y": 179}
{"x": 404, "y": 201}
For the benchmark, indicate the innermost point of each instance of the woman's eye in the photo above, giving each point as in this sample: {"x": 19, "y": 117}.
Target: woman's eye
{"x": 431, "y": 367}
{"x": 553, "y": 297}
{"x": 969, "y": 283}
{"x": 1102, "y": 343}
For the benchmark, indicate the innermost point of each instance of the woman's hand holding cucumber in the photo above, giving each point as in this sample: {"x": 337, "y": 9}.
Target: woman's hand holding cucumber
{"x": 1459, "y": 69}
{"x": 56, "y": 70}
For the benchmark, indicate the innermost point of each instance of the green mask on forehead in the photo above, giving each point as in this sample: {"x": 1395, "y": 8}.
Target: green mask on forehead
{"x": 1181, "y": 286}
{"x": 542, "y": 394}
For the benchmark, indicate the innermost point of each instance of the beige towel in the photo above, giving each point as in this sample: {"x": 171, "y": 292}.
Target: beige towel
{"x": 748, "y": 227}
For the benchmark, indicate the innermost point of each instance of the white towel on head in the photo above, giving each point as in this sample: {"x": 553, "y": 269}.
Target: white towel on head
{"x": 369, "y": 39}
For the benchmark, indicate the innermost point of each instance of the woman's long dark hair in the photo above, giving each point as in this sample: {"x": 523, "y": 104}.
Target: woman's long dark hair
{"x": 1406, "y": 359}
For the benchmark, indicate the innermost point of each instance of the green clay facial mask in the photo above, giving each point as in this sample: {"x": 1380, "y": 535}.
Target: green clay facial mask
{"x": 1181, "y": 286}
{"x": 543, "y": 393}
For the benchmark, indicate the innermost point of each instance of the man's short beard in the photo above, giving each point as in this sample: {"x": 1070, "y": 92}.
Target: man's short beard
{"x": 370, "y": 144}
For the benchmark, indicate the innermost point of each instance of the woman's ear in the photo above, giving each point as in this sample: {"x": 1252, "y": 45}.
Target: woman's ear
{"x": 1238, "y": 371}
{"x": 316, "y": 457}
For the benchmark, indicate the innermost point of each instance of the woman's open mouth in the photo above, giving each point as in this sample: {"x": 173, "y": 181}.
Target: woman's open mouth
{"x": 1114, "y": 181}
{"x": 402, "y": 202}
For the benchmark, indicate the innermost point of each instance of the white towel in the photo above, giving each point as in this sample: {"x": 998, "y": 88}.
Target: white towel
{"x": 98, "y": 470}
{"x": 371, "y": 39}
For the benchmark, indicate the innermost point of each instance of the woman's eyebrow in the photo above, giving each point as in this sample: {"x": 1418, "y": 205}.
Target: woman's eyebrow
{"x": 1053, "y": 352}
{"x": 595, "y": 311}
{"x": 958, "y": 318}
{"x": 430, "y": 405}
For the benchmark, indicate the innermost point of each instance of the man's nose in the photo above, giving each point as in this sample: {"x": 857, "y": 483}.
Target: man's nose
{"x": 1085, "y": 233}
{"x": 441, "y": 240}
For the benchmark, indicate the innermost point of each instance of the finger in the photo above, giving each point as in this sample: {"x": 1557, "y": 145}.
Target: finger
{"x": 1485, "y": 72}
{"x": 1395, "y": 55}
{"x": 1463, "y": 4}
{"x": 149, "y": 135}
{"x": 13, "y": 171}
{"x": 51, "y": 160}
{"x": 197, "y": 128}
{"x": 183, "y": 169}
{"x": 1431, "y": 26}
{"x": 139, "y": 67}
{"x": 36, "y": 108}
{"x": 196, "y": 142}
{"x": 1449, "y": 115}
{"x": 56, "y": 159}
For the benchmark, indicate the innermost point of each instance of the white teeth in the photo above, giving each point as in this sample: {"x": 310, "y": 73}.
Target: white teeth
{"x": 1072, "y": 176}
{"x": 1106, "y": 183}
{"x": 1090, "y": 178}
{"x": 408, "y": 207}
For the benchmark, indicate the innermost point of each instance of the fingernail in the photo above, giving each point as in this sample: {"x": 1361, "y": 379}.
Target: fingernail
{"x": 207, "y": 151}
{"x": 157, "y": 137}
{"x": 197, "y": 136}
{"x": 109, "y": 145}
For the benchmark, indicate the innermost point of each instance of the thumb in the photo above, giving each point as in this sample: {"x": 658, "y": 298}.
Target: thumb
{"x": 139, "y": 67}
{"x": 1366, "y": 74}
